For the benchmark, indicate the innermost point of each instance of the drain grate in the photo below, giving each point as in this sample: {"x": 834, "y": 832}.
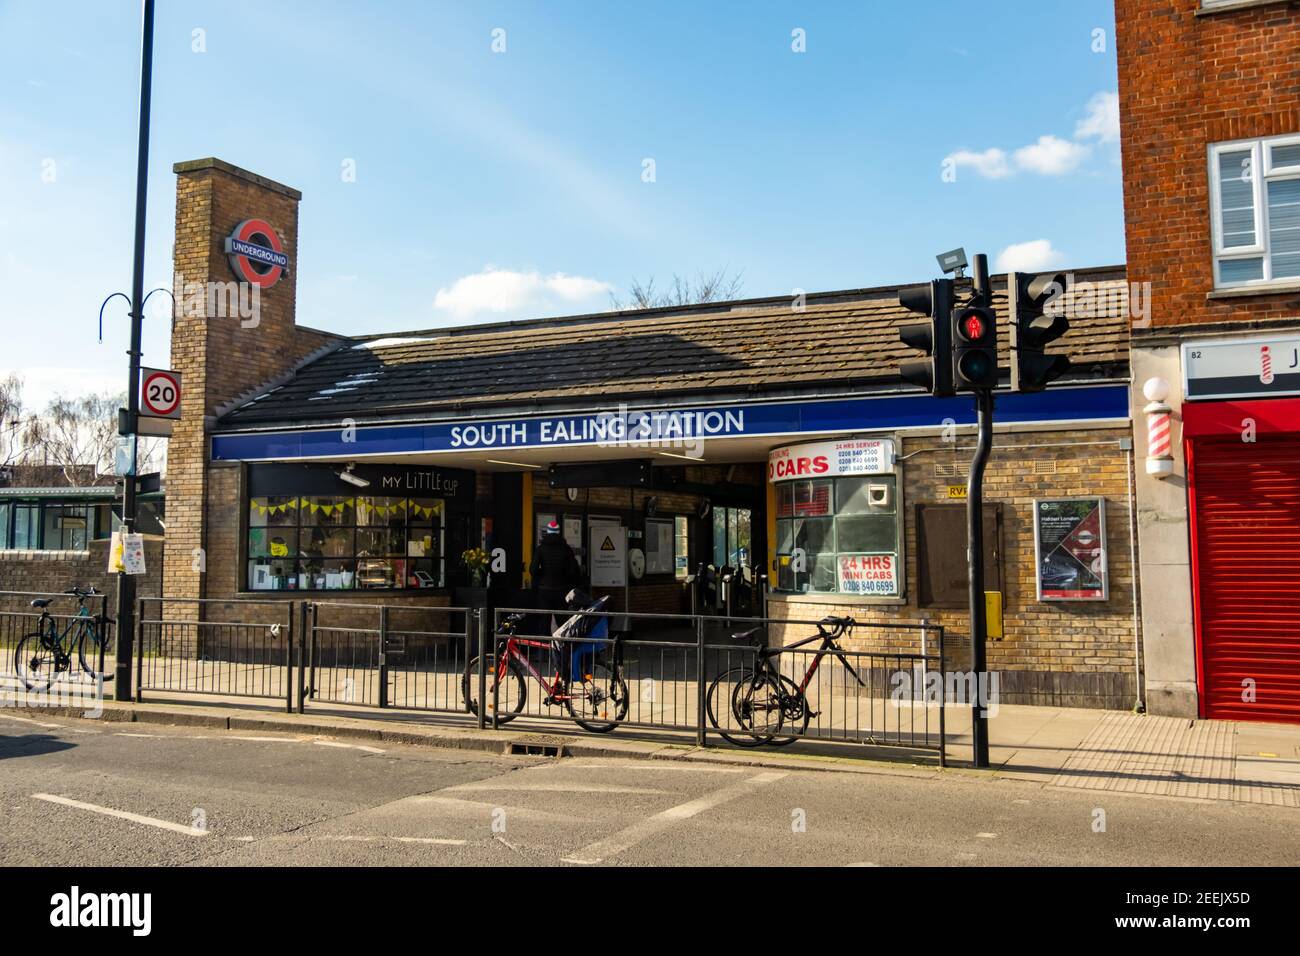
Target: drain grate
{"x": 515, "y": 749}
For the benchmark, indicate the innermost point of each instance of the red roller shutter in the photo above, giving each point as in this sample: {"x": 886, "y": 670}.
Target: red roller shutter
{"x": 1246, "y": 551}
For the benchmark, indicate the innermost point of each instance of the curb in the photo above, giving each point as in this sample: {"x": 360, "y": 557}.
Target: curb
{"x": 471, "y": 739}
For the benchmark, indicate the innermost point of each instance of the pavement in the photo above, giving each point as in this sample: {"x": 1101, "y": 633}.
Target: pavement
{"x": 109, "y": 792}
{"x": 1051, "y": 747}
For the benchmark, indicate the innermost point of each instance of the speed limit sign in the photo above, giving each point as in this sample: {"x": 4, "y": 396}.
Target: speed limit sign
{"x": 160, "y": 393}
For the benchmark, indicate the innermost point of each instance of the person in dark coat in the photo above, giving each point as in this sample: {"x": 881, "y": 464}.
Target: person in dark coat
{"x": 554, "y": 569}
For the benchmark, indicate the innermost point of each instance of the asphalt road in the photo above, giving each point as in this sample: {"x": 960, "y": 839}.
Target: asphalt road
{"x": 80, "y": 793}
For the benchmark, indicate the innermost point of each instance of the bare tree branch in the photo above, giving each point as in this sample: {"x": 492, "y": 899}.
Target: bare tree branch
{"x": 717, "y": 286}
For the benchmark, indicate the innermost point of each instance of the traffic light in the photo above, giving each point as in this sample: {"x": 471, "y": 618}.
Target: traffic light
{"x": 974, "y": 347}
{"x": 934, "y": 338}
{"x": 1031, "y": 330}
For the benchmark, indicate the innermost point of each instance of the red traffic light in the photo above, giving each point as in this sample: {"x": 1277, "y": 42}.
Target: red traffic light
{"x": 972, "y": 326}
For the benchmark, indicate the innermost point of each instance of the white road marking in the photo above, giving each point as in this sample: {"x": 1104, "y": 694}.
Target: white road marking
{"x": 28, "y": 720}
{"x": 262, "y": 740}
{"x": 479, "y": 807}
{"x": 335, "y": 743}
{"x": 629, "y": 837}
{"x": 121, "y": 815}
{"x": 551, "y": 788}
{"x": 653, "y": 765}
{"x": 987, "y": 836}
{"x": 348, "y": 838}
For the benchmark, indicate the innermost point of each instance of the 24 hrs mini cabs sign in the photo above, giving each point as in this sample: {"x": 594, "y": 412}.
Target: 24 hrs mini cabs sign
{"x": 871, "y": 574}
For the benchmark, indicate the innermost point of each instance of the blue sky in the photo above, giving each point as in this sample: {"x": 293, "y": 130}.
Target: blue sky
{"x": 509, "y": 184}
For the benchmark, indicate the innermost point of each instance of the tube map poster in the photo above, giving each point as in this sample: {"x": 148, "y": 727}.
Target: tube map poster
{"x": 1070, "y": 545}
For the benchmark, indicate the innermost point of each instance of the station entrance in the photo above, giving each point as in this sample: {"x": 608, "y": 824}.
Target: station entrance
{"x": 655, "y": 539}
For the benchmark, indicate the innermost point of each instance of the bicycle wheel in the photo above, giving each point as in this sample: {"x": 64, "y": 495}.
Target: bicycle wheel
{"x": 718, "y": 700}
{"x": 599, "y": 700}
{"x": 794, "y": 712}
{"x": 512, "y": 691}
{"x": 758, "y": 706}
{"x": 89, "y": 640}
{"x": 36, "y": 662}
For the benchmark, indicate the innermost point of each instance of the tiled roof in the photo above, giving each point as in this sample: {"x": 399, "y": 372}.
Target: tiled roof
{"x": 732, "y": 348}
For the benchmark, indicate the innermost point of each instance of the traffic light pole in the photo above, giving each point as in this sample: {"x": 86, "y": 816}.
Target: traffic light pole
{"x": 975, "y": 547}
{"x": 126, "y": 582}
{"x": 975, "y": 561}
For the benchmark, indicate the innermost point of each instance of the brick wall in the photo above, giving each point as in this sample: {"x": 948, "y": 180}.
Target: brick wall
{"x": 1186, "y": 81}
{"x": 1068, "y": 653}
{"x": 55, "y": 571}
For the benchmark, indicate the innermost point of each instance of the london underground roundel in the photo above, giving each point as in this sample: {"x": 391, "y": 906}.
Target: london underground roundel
{"x": 256, "y": 254}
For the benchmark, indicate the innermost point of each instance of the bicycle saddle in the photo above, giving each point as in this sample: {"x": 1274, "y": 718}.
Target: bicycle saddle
{"x": 41, "y": 602}
{"x": 746, "y": 635}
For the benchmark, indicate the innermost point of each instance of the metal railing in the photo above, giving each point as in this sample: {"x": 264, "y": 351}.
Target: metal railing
{"x": 387, "y": 655}
{"x": 750, "y": 681}
{"x": 701, "y": 674}
{"x": 209, "y": 646}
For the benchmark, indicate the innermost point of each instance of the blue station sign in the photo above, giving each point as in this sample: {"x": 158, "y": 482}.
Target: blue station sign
{"x": 667, "y": 428}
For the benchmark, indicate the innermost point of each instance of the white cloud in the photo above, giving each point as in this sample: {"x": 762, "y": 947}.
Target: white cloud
{"x": 991, "y": 164}
{"x": 1101, "y": 121}
{"x": 1037, "y": 255}
{"x": 505, "y": 291}
{"x": 1050, "y": 156}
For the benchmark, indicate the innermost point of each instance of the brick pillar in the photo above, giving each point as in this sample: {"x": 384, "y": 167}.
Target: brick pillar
{"x": 221, "y": 356}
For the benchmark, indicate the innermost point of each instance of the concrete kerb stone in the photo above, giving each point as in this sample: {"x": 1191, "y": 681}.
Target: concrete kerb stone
{"x": 497, "y": 742}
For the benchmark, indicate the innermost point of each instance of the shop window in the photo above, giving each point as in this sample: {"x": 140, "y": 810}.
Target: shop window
{"x": 838, "y": 535}
{"x": 332, "y": 543}
{"x": 942, "y": 574}
{"x": 732, "y": 537}
{"x": 6, "y": 517}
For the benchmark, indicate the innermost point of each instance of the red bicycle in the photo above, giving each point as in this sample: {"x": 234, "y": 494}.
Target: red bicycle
{"x": 594, "y": 692}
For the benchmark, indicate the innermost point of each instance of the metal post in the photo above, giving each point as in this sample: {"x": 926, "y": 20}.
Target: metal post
{"x": 480, "y": 619}
{"x": 701, "y": 739}
{"x": 975, "y": 559}
{"x": 126, "y": 582}
{"x": 303, "y": 624}
{"x": 139, "y": 658}
{"x": 383, "y": 655}
{"x": 943, "y": 694}
{"x": 103, "y": 639}
{"x": 288, "y": 660}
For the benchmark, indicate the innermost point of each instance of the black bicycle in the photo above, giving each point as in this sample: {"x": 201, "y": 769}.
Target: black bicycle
{"x": 761, "y": 700}
{"x": 45, "y": 654}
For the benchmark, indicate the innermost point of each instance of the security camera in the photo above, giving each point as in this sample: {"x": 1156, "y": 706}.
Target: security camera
{"x": 347, "y": 475}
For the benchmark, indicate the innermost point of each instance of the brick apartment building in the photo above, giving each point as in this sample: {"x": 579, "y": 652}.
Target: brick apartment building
{"x": 1210, "y": 115}
{"x": 357, "y": 469}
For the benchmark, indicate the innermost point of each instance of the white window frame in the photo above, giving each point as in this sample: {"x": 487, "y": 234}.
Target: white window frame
{"x": 1263, "y": 171}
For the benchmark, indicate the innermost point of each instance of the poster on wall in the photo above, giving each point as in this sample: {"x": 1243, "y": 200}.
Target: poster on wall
{"x": 871, "y": 574}
{"x": 1070, "y": 549}
{"x": 573, "y": 532}
{"x": 608, "y": 560}
{"x": 658, "y": 547}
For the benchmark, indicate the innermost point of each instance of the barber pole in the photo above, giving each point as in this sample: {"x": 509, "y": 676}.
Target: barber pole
{"x": 1265, "y": 365}
{"x": 1160, "y": 458}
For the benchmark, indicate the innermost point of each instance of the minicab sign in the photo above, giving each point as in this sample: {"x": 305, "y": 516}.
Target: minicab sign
{"x": 873, "y": 574}
{"x": 831, "y": 459}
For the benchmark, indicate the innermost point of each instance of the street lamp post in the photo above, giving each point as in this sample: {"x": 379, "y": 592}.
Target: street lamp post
{"x": 126, "y": 582}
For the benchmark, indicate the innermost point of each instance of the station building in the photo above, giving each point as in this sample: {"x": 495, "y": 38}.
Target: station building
{"x": 766, "y": 441}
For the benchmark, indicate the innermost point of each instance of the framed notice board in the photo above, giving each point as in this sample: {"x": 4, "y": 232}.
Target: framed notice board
{"x": 1070, "y": 549}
